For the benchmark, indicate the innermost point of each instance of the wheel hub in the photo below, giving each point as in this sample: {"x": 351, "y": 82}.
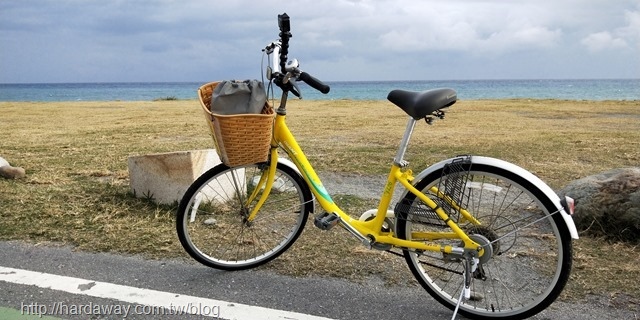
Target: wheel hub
{"x": 486, "y": 233}
{"x": 485, "y": 244}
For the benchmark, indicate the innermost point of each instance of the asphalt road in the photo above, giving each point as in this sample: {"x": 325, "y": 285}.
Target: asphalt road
{"x": 318, "y": 296}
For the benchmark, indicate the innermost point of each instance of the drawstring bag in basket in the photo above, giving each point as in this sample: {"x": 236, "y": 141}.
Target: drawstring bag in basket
{"x": 240, "y": 119}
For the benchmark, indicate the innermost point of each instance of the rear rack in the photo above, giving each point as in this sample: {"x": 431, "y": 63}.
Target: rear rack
{"x": 451, "y": 196}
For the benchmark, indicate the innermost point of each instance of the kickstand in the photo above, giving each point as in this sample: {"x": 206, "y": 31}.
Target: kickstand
{"x": 469, "y": 265}
{"x": 455, "y": 311}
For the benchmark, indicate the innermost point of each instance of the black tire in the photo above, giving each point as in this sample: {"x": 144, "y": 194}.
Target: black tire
{"x": 530, "y": 264}
{"x": 211, "y": 222}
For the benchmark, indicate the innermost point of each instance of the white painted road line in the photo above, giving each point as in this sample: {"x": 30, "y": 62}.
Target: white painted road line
{"x": 171, "y": 302}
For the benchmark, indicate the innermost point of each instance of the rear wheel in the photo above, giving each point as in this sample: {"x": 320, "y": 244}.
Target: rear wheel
{"x": 530, "y": 247}
{"x": 211, "y": 219}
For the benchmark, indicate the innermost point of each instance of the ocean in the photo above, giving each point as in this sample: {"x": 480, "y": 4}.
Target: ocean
{"x": 602, "y": 89}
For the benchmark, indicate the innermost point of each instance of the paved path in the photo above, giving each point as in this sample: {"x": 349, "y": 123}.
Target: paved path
{"x": 133, "y": 300}
{"x": 58, "y": 277}
{"x": 79, "y": 285}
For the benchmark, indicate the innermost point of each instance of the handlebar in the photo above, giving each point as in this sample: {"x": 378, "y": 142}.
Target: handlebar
{"x": 284, "y": 70}
{"x": 314, "y": 83}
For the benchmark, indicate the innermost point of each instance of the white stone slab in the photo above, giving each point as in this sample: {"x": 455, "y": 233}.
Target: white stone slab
{"x": 165, "y": 177}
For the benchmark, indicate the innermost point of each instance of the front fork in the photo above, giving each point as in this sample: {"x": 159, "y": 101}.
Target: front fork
{"x": 266, "y": 180}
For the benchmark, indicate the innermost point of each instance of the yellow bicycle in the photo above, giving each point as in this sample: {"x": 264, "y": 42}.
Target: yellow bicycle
{"x": 484, "y": 237}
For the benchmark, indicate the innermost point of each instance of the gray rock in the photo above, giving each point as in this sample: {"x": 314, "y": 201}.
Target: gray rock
{"x": 608, "y": 204}
{"x": 10, "y": 172}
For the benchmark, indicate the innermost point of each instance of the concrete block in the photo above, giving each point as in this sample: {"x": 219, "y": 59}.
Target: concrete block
{"x": 165, "y": 177}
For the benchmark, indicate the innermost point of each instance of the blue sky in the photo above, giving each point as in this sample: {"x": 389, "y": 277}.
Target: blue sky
{"x": 45, "y": 41}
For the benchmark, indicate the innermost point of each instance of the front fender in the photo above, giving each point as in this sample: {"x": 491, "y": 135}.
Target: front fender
{"x": 518, "y": 171}
{"x": 292, "y": 165}
{"x": 289, "y": 164}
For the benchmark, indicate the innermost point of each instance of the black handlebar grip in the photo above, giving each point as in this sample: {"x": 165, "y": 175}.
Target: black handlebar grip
{"x": 314, "y": 83}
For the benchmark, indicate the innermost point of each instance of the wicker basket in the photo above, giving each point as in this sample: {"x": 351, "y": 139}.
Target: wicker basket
{"x": 239, "y": 139}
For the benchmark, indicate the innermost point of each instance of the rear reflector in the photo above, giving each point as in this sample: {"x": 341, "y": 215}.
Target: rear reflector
{"x": 569, "y": 205}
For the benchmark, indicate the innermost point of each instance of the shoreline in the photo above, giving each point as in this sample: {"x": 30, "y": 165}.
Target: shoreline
{"x": 321, "y": 100}
{"x": 571, "y": 89}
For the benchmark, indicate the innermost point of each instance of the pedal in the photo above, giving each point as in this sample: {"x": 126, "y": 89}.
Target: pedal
{"x": 326, "y": 221}
{"x": 381, "y": 246}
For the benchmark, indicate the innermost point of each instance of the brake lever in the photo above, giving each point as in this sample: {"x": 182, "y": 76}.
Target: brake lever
{"x": 295, "y": 90}
{"x": 291, "y": 85}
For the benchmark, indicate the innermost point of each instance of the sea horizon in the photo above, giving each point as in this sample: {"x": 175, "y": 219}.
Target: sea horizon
{"x": 339, "y": 81}
{"x": 563, "y": 89}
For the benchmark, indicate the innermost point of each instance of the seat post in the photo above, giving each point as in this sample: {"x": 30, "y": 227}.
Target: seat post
{"x": 399, "y": 159}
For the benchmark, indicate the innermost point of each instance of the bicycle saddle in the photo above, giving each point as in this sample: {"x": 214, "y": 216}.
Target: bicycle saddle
{"x": 421, "y": 104}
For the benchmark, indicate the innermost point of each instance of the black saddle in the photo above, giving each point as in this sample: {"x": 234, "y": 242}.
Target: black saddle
{"x": 421, "y": 104}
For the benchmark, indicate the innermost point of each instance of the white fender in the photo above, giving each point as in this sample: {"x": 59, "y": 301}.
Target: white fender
{"x": 292, "y": 165}
{"x": 372, "y": 213}
{"x": 289, "y": 164}
{"x": 517, "y": 171}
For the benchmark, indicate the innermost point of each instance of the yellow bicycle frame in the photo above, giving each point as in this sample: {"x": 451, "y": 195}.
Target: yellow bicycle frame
{"x": 371, "y": 229}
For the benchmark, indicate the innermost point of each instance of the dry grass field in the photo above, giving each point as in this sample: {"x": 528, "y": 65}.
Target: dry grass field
{"x": 76, "y": 190}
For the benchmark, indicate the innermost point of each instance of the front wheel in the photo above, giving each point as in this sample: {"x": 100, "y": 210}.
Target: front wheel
{"x": 531, "y": 248}
{"x": 211, "y": 220}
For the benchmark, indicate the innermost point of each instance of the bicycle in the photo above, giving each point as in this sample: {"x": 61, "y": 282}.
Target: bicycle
{"x": 482, "y": 236}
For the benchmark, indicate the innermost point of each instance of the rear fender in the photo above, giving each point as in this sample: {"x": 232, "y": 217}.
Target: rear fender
{"x": 518, "y": 171}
